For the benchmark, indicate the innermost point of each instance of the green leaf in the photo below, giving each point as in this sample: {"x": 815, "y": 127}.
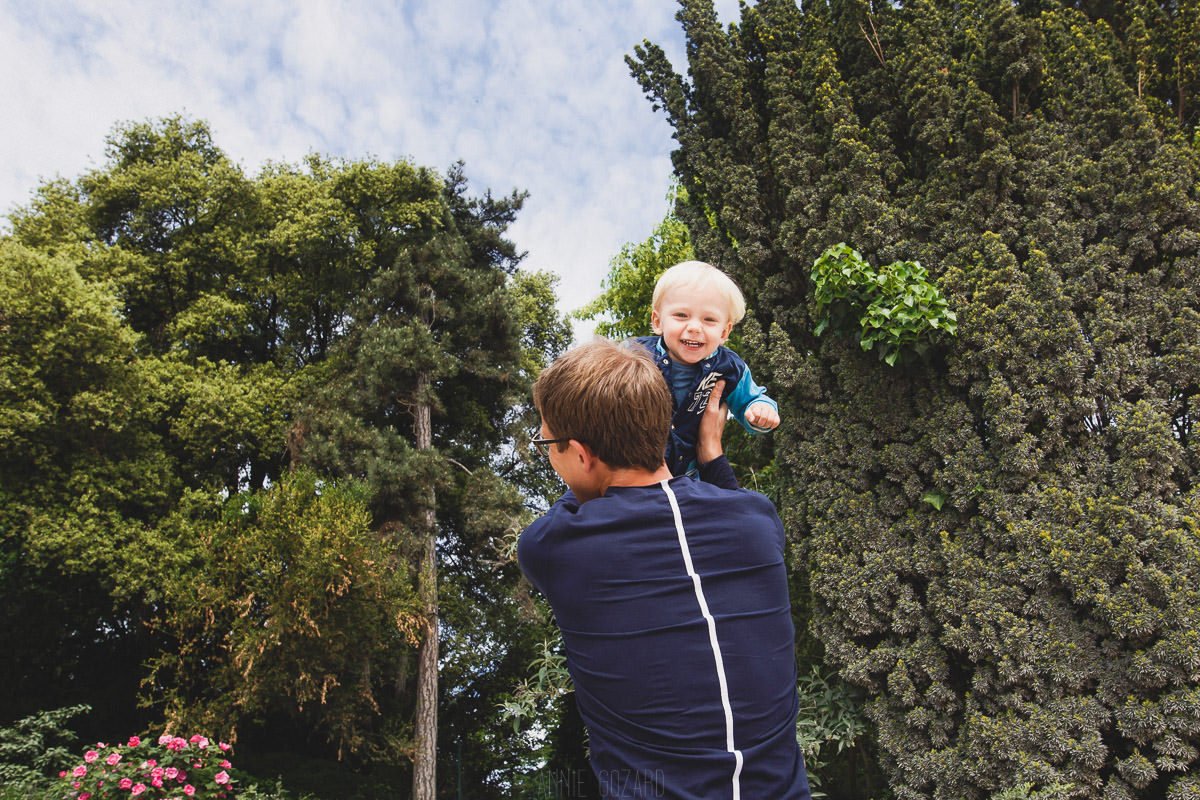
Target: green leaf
{"x": 935, "y": 498}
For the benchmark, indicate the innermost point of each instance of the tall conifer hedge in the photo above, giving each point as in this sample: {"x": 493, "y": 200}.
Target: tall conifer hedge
{"x": 1002, "y": 533}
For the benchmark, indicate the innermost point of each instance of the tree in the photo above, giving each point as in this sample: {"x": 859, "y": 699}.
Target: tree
{"x": 1001, "y": 535}
{"x": 173, "y": 207}
{"x": 419, "y": 388}
{"x": 81, "y": 478}
{"x": 308, "y": 606}
{"x": 1160, "y": 39}
{"x": 203, "y": 365}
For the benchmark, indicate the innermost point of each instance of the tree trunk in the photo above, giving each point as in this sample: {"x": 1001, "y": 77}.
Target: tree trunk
{"x": 425, "y": 749}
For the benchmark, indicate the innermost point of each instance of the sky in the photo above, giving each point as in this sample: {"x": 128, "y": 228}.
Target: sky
{"x": 531, "y": 94}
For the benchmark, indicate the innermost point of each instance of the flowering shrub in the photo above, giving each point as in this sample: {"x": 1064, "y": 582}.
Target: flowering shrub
{"x": 173, "y": 769}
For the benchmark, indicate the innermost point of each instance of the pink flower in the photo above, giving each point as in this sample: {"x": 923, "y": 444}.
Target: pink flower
{"x": 225, "y": 763}
{"x": 62, "y": 774}
{"x": 225, "y": 746}
{"x": 149, "y": 763}
{"x": 134, "y": 741}
{"x": 156, "y": 783}
{"x": 90, "y": 756}
{"x": 79, "y": 771}
{"x": 137, "y": 789}
{"x": 125, "y": 783}
{"x": 157, "y": 772}
{"x": 85, "y": 796}
{"x": 165, "y": 739}
{"x": 200, "y": 741}
{"x": 76, "y": 785}
{"x": 221, "y": 778}
{"x": 189, "y": 790}
{"x": 113, "y": 759}
{"x": 171, "y": 773}
{"x": 178, "y": 743}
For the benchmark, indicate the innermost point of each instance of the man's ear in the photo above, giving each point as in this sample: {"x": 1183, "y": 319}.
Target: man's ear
{"x": 655, "y": 321}
{"x": 586, "y": 455}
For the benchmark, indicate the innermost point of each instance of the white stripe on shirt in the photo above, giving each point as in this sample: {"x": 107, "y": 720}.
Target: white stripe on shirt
{"x": 712, "y": 639}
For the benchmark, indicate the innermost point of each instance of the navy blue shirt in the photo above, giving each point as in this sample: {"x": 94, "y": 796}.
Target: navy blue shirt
{"x": 679, "y": 638}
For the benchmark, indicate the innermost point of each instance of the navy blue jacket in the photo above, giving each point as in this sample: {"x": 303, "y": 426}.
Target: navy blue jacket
{"x": 740, "y": 392}
{"x": 673, "y": 604}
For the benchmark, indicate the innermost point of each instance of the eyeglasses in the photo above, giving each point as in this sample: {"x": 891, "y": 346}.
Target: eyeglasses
{"x": 543, "y": 445}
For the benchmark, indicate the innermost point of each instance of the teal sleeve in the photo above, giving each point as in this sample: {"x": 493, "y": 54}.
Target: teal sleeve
{"x": 744, "y": 394}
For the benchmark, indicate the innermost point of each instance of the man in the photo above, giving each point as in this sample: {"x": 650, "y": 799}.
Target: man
{"x": 671, "y": 593}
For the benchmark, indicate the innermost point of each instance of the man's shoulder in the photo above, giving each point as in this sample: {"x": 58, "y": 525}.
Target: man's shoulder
{"x": 568, "y": 512}
{"x": 536, "y": 542}
{"x": 557, "y": 516}
{"x": 748, "y": 515}
{"x": 704, "y": 492}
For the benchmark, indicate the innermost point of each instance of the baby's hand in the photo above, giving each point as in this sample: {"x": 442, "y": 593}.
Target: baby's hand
{"x": 762, "y": 415}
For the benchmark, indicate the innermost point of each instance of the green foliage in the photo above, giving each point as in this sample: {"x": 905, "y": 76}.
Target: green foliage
{"x": 830, "y": 718}
{"x": 35, "y": 749}
{"x": 304, "y": 609}
{"x": 1001, "y": 538}
{"x": 175, "y": 339}
{"x": 168, "y": 208}
{"x": 544, "y": 334}
{"x": 1028, "y": 791}
{"x": 255, "y": 791}
{"x": 548, "y": 682}
{"x": 82, "y": 473}
{"x": 896, "y": 306}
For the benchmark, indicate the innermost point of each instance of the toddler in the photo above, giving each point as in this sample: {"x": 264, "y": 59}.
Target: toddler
{"x": 695, "y": 306}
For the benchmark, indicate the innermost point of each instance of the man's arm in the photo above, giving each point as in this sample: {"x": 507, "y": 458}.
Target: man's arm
{"x": 710, "y": 453}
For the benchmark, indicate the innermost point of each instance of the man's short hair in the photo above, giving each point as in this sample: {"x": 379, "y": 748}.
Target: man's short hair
{"x": 696, "y": 275}
{"x": 610, "y": 397}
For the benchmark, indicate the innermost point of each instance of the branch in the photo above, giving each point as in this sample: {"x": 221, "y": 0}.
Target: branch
{"x": 460, "y": 465}
{"x": 873, "y": 39}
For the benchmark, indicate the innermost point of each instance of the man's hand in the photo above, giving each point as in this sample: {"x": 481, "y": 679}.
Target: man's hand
{"x": 762, "y": 416}
{"x": 712, "y": 425}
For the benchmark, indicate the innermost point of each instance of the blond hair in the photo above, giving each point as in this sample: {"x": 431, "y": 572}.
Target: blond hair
{"x": 696, "y": 275}
{"x": 610, "y": 397}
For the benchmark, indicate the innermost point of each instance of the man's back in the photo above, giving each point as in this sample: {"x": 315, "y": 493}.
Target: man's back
{"x": 672, "y": 600}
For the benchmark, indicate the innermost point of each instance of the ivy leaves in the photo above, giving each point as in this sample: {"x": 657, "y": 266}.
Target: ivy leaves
{"x": 895, "y": 307}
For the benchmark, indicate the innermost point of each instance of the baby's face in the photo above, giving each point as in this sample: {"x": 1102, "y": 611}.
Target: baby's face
{"x": 692, "y": 322}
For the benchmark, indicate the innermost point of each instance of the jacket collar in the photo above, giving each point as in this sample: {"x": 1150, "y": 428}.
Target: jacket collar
{"x": 660, "y": 352}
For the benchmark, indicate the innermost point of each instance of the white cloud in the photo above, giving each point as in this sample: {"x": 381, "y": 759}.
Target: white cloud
{"x": 531, "y": 95}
